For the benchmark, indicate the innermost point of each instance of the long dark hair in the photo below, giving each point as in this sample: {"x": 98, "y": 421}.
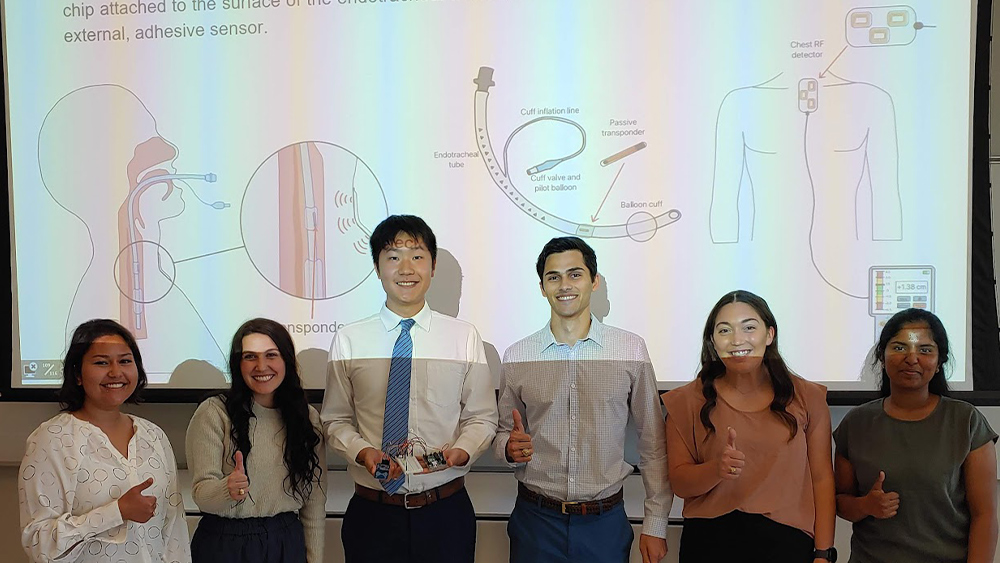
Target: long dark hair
{"x": 71, "y": 395}
{"x": 301, "y": 438}
{"x": 939, "y": 383}
{"x": 712, "y": 367}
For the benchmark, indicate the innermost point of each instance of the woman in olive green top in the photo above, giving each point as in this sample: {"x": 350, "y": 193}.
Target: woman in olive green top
{"x": 915, "y": 469}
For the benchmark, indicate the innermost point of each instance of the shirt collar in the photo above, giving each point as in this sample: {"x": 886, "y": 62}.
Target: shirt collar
{"x": 595, "y": 334}
{"x": 391, "y": 320}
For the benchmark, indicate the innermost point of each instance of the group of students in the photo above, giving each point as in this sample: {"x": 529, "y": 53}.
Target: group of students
{"x": 410, "y": 405}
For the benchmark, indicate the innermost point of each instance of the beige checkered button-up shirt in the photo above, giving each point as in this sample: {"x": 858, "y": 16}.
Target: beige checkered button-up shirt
{"x": 575, "y": 402}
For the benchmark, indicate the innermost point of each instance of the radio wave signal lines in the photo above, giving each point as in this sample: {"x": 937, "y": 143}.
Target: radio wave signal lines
{"x": 344, "y": 225}
{"x": 639, "y": 227}
{"x": 341, "y": 199}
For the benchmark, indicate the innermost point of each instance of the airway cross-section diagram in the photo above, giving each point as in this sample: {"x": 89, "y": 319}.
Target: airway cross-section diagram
{"x": 326, "y": 202}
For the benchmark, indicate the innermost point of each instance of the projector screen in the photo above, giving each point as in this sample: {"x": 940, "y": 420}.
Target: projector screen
{"x": 184, "y": 165}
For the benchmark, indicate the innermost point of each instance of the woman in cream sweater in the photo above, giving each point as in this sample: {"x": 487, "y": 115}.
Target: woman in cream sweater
{"x": 258, "y": 459}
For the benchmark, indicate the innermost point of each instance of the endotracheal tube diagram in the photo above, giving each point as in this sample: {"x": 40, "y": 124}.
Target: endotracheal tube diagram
{"x": 132, "y": 269}
{"x": 641, "y": 226}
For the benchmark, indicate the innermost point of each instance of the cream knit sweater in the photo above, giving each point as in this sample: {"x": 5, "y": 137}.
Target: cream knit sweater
{"x": 209, "y": 457}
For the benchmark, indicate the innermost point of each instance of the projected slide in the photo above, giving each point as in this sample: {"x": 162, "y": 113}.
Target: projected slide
{"x": 184, "y": 165}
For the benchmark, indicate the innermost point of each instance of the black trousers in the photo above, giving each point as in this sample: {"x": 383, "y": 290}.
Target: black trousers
{"x": 748, "y": 538}
{"x": 441, "y": 532}
{"x": 275, "y": 539}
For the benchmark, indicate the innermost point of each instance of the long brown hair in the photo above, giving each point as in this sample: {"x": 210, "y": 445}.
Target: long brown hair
{"x": 712, "y": 367}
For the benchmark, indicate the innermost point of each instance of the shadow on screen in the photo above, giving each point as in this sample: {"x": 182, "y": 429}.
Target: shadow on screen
{"x": 197, "y": 374}
{"x": 445, "y": 296}
{"x": 312, "y": 367}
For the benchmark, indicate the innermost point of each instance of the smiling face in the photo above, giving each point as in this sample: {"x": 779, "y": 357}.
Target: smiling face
{"x": 740, "y": 336}
{"x": 567, "y": 285}
{"x": 405, "y": 269}
{"x": 262, "y": 367}
{"x": 108, "y": 373}
{"x": 911, "y": 357}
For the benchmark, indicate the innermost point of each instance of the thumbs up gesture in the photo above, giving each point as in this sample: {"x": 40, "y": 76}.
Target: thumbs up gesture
{"x": 237, "y": 483}
{"x": 136, "y": 506}
{"x": 731, "y": 460}
{"x": 879, "y": 503}
{"x": 519, "y": 448}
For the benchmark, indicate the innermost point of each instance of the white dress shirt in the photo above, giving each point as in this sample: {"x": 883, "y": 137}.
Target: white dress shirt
{"x": 575, "y": 402}
{"x": 69, "y": 484}
{"x": 452, "y": 401}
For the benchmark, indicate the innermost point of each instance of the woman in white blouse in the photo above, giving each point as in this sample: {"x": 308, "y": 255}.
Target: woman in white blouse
{"x": 97, "y": 484}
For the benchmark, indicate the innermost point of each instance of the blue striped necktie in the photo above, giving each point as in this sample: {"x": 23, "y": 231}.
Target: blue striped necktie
{"x": 397, "y": 399}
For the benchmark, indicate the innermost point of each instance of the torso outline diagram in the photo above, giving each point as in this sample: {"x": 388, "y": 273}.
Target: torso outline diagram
{"x": 853, "y": 144}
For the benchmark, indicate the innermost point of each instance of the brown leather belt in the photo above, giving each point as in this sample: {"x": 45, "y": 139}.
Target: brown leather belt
{"x": 411, "y": 500}
{"x": 576, "y": 508}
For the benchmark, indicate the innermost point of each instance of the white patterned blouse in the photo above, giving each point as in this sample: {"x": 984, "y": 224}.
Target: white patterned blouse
{"x": 69, "y": 484}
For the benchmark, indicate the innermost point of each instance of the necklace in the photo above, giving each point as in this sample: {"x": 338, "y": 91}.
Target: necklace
{"x": 750, "y": 391}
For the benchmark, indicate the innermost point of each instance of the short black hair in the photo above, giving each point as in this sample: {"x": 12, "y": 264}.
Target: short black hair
{"x": 939, "y": 383}
{"x": 71, "y": 394}
{"x": 565, "y": 244}
{"x": 384, "y": 235}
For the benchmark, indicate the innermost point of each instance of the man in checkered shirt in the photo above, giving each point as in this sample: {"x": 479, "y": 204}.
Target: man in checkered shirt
{"x": 567, "y": 393}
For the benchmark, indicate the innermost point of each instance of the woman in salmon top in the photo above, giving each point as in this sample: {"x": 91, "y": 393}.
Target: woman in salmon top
{"x": 748, "y": 447}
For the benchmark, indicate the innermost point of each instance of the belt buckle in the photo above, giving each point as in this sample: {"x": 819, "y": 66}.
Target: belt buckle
{"x": 406, "y": 500}
{"x": 565, "y": 504}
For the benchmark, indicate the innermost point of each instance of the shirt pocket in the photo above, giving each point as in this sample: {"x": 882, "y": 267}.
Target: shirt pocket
{"x": 445, "y": 381}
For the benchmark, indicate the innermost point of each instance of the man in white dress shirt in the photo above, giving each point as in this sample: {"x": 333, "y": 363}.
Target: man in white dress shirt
{"x": 409, "y": 403}
{"x": 567, "y": 393}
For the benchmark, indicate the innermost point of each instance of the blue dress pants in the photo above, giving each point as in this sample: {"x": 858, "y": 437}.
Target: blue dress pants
{"x": 544, "y": 535}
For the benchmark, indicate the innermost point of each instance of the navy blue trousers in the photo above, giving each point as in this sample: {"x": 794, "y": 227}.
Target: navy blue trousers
{"x": 544, "y": 535}
{"x": 276, "y": 539}
{"x": 441, "y": 532}
{"x": 739, "y": 536}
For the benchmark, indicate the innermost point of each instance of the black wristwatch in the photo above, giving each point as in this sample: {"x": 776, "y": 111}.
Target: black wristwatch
{"x": 830, "y": 554}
